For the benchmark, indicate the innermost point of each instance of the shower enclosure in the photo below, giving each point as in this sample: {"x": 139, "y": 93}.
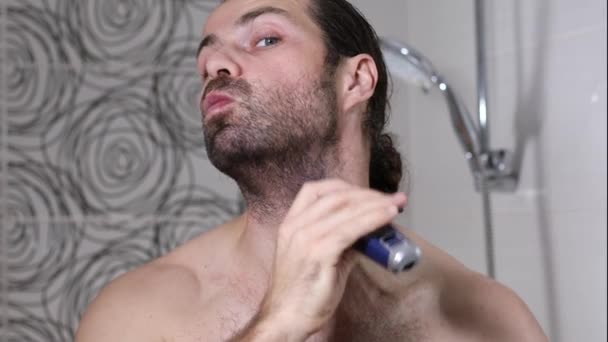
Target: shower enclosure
{"x": 492, "y": 170}
{"x": 102, "y": 162}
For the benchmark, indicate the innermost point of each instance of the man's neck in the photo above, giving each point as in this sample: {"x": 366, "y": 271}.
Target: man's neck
{"x": 275, "y": 184}
{"x": 269, "y": 187}
{"x": 264, "y": 216}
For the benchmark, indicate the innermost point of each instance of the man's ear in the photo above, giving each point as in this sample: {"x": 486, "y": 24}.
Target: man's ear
{"x": 359, "y": 79}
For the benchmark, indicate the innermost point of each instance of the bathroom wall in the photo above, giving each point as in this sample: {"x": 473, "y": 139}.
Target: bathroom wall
{"x": 102, "y": 162}
{"x": 547, "y": 98}
{"x": 102, "y": 166}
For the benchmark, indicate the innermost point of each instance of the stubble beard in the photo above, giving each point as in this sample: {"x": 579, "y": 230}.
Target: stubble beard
{"x": 275, "y": 140}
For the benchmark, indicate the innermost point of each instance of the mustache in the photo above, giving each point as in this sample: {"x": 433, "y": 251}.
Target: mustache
{"x": 232, "y": 86}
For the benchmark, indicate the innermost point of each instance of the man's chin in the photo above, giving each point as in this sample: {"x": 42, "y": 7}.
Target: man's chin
{"x": 227, "y": 149}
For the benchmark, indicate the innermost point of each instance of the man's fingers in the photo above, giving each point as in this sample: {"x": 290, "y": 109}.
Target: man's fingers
{"x": 313, "y": 191}
{"x": 339, "y": 220}
{"x": 344, "y": 230}
{"x": 337, "y": 202}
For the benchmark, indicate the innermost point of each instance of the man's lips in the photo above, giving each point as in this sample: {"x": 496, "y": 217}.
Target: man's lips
{"x": 214, "y": 102}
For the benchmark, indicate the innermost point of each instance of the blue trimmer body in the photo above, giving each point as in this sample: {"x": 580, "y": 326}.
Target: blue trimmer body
{"x": 390, "y": 248}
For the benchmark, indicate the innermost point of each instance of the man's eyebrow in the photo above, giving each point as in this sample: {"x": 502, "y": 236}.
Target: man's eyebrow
{"x": 207, "y": 41}
{"x": 251, "y": 15}
{"x": 243, "y": 20}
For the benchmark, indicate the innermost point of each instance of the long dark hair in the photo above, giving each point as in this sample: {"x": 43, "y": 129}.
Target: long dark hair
{"x": 347, "y": 33}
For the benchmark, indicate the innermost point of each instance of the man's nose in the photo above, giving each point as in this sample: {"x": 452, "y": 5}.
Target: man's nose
{"x": 221, "y": 62}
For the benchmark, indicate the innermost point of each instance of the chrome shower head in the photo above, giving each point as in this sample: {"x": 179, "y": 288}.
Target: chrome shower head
{"x": 408, "y": 64}
{"x": 413, "y": 67}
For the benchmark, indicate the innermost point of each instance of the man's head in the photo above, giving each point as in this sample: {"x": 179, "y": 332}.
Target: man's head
{"x": 301, "y": 73}
{"x": 348, "y": 34}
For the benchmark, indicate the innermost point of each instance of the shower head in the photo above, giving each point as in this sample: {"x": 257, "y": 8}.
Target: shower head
{"x": 407, "y": 63}
{"x": 413, "y": 67}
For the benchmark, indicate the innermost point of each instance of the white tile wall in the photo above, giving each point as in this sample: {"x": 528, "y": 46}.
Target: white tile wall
{"x": 547, "y": 79}
{"x": 574, "y": 134}
{"x": 579, "y": 242}
{"x": 520, "y": 259}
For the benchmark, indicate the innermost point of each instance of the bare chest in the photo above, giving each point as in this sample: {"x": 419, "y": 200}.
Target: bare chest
{"x": 217, "y": 316}
{"x": 359, "y": 318}
{"x": 368, "y": 313}
{"x": 363, "y": 315}
{"x": 220, "y": 319}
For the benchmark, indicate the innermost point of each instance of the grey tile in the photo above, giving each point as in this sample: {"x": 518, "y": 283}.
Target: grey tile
{"x": 114, "y": 34}
{"x": 36, "y": 34}
{"x": 182, "y": 49}
{"x": 93, "y": 143}
{"x": 113, "y": 135}
{"x": 56, "y": 269}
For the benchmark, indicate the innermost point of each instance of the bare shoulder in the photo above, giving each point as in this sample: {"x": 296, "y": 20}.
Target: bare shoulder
{"x": 142, "y": 304}
{"x": 134, "y": 306}
{"x": 474, "y": 305}
{"x": 488, "y": 310}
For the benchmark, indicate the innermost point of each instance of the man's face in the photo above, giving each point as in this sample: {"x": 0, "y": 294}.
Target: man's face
{"x": 267, "y": 93}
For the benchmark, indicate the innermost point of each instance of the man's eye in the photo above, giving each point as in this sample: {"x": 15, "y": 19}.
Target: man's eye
{"x": 267, "y": 41}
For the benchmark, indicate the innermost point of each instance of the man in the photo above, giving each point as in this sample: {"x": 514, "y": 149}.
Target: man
{"x": 293, "y": 109}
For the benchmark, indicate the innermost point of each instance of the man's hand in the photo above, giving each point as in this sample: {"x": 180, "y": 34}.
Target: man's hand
{"x": 313, "y": 258}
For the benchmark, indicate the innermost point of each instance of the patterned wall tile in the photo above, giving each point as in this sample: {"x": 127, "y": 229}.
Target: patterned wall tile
{"x": 177, "y": 96}
{"x": 3, "y": 7}
{"x": 115, "y": 146}
{"x": 59, "y": 150}
{"x": 37, "y": 190}
{"x": 115, "y": 33}
{"x": 36, "y": 99}
{"x": 3, "y": 278}
{"x": 181, "y": 51}
{"x": 41, "y": 259}
{"x": 105, "y": 159}
{"x": 3, "y": 187}
{"x": 171, "y": 233}
{"x": 56, "y": 269}
{"x": 36, "y": 35}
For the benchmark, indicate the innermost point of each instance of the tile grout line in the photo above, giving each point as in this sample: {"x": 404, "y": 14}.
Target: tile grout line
{"x": 105, "y": 67}
{"x": 108, "y": 220}
{"x": 3, "y": 177}
{"x": 4, "y": 180}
